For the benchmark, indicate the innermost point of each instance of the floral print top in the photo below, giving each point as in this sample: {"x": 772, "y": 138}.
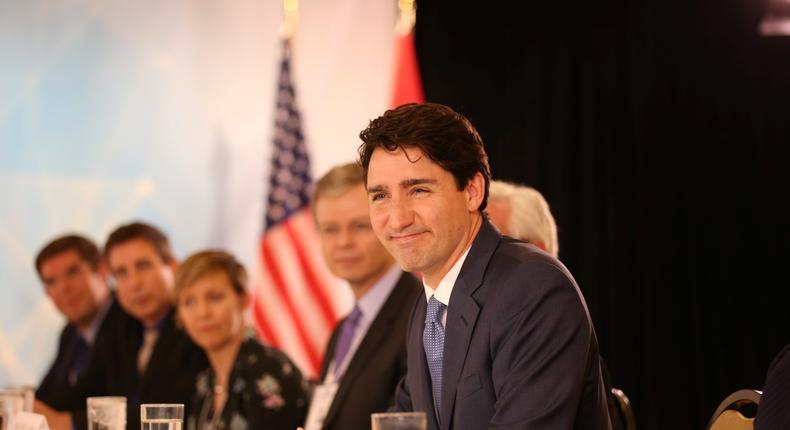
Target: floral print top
{"x": 266, "y": 392}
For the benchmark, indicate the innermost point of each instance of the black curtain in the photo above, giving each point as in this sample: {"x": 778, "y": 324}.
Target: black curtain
{"x": 657, "y": 132}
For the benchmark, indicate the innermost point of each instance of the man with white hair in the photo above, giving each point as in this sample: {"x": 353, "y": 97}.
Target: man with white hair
{"x": 521, "y": 212}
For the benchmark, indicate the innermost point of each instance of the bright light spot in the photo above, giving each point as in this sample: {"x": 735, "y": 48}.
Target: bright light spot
{"x": 144, "y": 187}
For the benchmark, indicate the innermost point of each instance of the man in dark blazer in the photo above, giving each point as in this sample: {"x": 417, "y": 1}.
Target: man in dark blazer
{"x": 502, "y": 338}
{"x": 153, "y": 361}
{"x": 366, "y": 355}
{"x": 75, "y": 280}
{"x": 150, "y": 359}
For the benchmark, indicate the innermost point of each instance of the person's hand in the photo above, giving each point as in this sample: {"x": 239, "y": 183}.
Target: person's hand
{"x": 57, "y": 420}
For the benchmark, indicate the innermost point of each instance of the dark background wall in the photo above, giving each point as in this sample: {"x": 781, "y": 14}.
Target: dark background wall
{"x": 657, "y": 132}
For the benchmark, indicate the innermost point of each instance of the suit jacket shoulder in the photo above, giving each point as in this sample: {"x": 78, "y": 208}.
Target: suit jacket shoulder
{"x": 55, "y": 388}
{"x": 519, "y": 346}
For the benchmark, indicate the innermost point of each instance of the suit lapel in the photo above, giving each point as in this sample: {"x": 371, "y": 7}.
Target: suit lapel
{"x": 462, "y": 313}
{"x": 376, "y": 334}
{"x": 461, "y": 319}
{"x": 330, "y": 350}
{"x": 166, "y": 334}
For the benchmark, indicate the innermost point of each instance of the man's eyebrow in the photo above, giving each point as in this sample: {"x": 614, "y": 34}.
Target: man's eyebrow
{"x": 376, "y": 189}
{"x": 417, "y": 181}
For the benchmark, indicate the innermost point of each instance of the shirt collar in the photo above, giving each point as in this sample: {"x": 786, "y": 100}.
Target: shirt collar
{"x": 374, "y": 298}
{"x": 445, "y": 287}
{"x": 88, "y": 334}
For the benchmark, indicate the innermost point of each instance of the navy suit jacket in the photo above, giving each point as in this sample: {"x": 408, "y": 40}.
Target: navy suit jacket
{"x": 520, "y": 351}
{"x": 378, "y": 364}
{"x": 56, "y": 390}
{"x": 170, "y": 376}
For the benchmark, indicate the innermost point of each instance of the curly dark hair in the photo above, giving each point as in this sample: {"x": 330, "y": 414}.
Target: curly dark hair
{"x": 442, "y": 134}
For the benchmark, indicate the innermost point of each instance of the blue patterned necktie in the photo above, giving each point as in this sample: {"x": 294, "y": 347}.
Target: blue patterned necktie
{"x": 433, "y": 342}
{"x": 346, "y": 337}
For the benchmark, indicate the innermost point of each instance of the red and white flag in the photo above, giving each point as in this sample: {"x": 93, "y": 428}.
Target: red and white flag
{"x": 297, "y": 301}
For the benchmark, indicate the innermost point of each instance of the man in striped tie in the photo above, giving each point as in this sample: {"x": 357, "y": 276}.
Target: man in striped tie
{"x": 502, "y": 338}
{"x": 366, "y": 355}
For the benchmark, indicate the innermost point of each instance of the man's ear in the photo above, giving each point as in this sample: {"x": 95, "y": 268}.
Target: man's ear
{"x": 173, "y": 264}
{"x": 475, "y": 192}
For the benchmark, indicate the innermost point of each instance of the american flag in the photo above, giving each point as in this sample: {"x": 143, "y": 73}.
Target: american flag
{"x": 297, "y": 301}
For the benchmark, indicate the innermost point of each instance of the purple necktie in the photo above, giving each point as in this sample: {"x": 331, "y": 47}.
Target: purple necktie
{"x": 346, "y": 337}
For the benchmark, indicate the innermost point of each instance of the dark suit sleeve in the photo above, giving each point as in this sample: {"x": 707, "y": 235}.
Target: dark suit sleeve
{"x": 56, "y": 379}
{"x": 541, "y": 351}
{"x": 402, "y": 401}
{"x": 402, "y": 397}
{"x": 773, "y": 412}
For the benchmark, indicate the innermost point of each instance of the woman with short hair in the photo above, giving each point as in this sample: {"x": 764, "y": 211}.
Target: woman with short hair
{"x": 249, "y": 385}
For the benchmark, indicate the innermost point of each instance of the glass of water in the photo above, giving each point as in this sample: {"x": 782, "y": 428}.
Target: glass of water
{"x": 162, "y": 416}
{"x": 7, "y": 405}
{"x": 399, "y": 421}
{"x": 27, "y": 392}
{"x": 106, "y": 413}
{"x": 11, "y": 403}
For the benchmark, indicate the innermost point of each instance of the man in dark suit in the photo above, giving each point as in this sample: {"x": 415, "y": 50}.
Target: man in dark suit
{"x": 150, "y": 360}
{"x": 366, "y": 355}
{"x": 154, "y": 361}
{"x": 75, "y": 280}
{"x": 502, "y": 338}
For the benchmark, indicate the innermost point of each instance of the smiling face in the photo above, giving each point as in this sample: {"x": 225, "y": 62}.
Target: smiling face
{"x": 418, "y": 212}
{"x": 143, "y": 280}
{"x": 76, "y": 289}
{"x": 212, "y": 311}
{"x": 350, "y": 248}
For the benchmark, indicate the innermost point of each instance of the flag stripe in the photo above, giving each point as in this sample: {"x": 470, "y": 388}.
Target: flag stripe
{"x": 312, "y": 281}
{"x": 280, "y": 321}
{"x": 274, "y": 270}
{"x": 262, "y": 324}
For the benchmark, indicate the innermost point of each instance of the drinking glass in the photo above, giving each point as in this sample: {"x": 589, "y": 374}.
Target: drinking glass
{"x": 11, "y": 402}
{"x": 28, "y": 393}
{"x": 6, "y": 412}
{"x": 162, "y": 416}
{"x": 399, "y": 421}
{"x": 106, "y": 413}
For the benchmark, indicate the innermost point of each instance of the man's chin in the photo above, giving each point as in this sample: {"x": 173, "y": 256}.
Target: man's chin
{"x": 409, "y": 265}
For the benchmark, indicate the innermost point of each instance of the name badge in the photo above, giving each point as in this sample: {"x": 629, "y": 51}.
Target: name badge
{"x": 319, "y": 407}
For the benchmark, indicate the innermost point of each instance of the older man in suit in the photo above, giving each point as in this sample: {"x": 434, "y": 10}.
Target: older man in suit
{"x": 502, "y": 338}
{"x": 366, "y": 355}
